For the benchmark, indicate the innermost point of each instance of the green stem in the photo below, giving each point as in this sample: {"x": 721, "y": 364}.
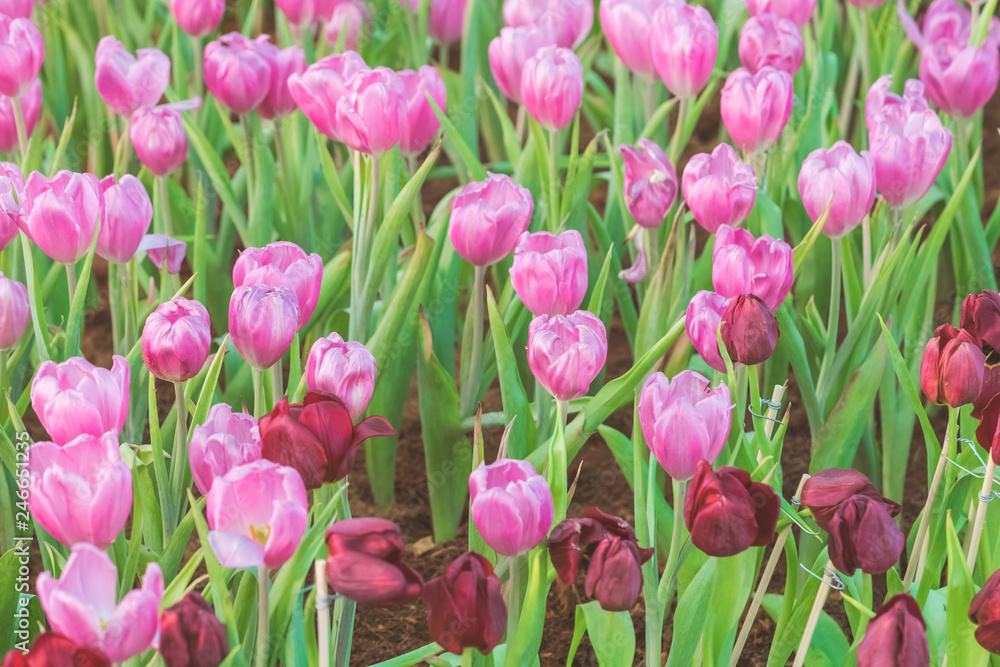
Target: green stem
{"x": 755, "y": 408}
{"x": 557, "y": 463}
{"x": 196, "y": 51}
{"x": 130, "y": 293}
{"x": 676, "y": 537}
{"x": 514, "y": 596}
{"x": 258, "y": 393}
{"x": 554, "y": 202}
{"x": 251, "y": 175}
{"x": 866, "y": 69}
{"x": 3, "y": 385}
{"x": 277, "y": 383}
{"x": 178, "y": 465}
{"x": 833, "y": 319}
{"x": 22, "y": 133}
{"x": 473, "y": 381}
{"x": 646, "y": 526}
{"x": 343, "y": 609}
{"x": 116, "y": 299}
{"x": 263, "y": 616}
{"x": 467, "y": 657}
{"x": 71, "y": 280}
{"x": 675, "y": 140}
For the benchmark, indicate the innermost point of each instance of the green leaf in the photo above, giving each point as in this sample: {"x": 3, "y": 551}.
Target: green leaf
{"x": 20, "y": 613}
{"x": 689, "y": 617}
{"x": 472, "y": 163}
{"x": 515, "y": 399}
{"x": 217, "y": 173}
{"x": 829, "y": 646}
{"x": 611, "y": 634}
{"x": 908, "y": 386}
{"x": 333, "y": 178}
{"x": 734, "y": 578}
{"x": 963, "y": 649}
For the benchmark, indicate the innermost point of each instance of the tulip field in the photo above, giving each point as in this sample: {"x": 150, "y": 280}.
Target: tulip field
{"x": 495, "y": 333}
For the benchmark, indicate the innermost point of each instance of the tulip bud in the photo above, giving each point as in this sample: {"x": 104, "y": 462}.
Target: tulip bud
{"x": 159, "y": 137}
{"x": 842, "y": 174}
{"x": 263, "y": 321}
{"x": 421, "y": 124}
{"x": 176, "y": 339}
{"x": 76, "y": 398}
{"x": 826, "y": 489}
{"x": 224, "y": 441}
{"x": 749, "y": 330}
{"x": 342, "y": 369}
{"x": 60, "y": 214}
{"x": 756, "y": 107}
{"x": 350, "y": 18}
{"x": 797, "y": 11}
{"x": 31, "y": 106}
{"x": 628, "y": 24}
{"x": 198, "y": 17}
{"x": 769, "y": 40}
{"x": 951, "y": 372}
{"x": 287, "y": 62}
{"x": 569, "y": 20}
{"x": 446, "y": 20}
{"x": 981, "y": 317}
{"x": 727, "y": 513}
{"x": 742, "y": 264}
{"x": 566, "y": 352}
{"x": 550, "y": 272}
{"x": 510, "y": 50}
{"x": 317, "y": 90}
{"x": 128, "y": 213}
{"x": 511, "y": 505}
{"x": 896, "y": 637}
{"x": 52, "y": 650}
{"x": 17, "y": 9}
{"x": 701, "y": 322}
{"x": 161, "y": 248}
{"x": 15, "y": 311}
{"x": 21, "y": 51}
{"x": 685, "y": 43}
{"x": 366, "y": 563}
{"x": 718, "y": 188}
{"x": 372, "y": 111}
{"x": 304, "y": 13}
{"x": 552, "y": 86}
{"x": 127, "y": 83}
{"x": 984, "y": 611}
{"x": 487, "y": 218}
{"x": 650, "y": 183}
{"x": 238, "y": 71}
{"x": 465, "y": 607}
{"x": 191, "y": 635}
{"x": 283, "y": 264}
{"x": 11, "y": 192}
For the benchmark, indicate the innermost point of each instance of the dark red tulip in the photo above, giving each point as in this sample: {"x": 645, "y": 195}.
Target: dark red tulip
{"x": 827, "y": 489}
{"x": 191, "y": 635}
{"x": 749, "y": 330}
{"x": 316, "y": 437}
{"x": 465, "y": 607}
{"x": 727, "y": 513}
{"x": 984, "y": 611}
{"x": 52, "y": 650}
{"x": 951, "y": 372}
{"x": 896, "y": 637}
{"x": 366, "y": 563}
{"x": 863, "y": 535}
{"x": 981, "y": 317}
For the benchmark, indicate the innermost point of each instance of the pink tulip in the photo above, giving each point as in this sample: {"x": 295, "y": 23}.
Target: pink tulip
{"x": 128, "y": 213}
{"x": 238, "y": 71}
{"x": 628, "y": 24}
{"x": 701, "y": 322}
{"x": 742, "y": 264}
{"x": 685, "y": 42}
{"x": 566, "y": 352}
{"x": 176, "y": 339}
{"x": 771, "y": 40}
{"x": 60, "y": 214}
{"x": 570, "y": 20}
{"x": 258, "y": 513}
{"x": 372, "y": 111}
{"x": 352, "y": 16}
{"x": 159, "y": 137}
{"x": 81, "y": 604}
{"x": 304, "y": 13}
{"x": 756, "y": 107}
{"x": 198, "y": 17}
{"x": 317, "y": 90}
{"x": 511, "y": 505}
{"x": 510, "y": 50}
{"x": 421, "y": 124}
{"x": 552, "y": 86}
{"x": 81, "y": 491}
{"x": 487, "y": 218}
{"x": 225, "y": 441}
{"x": 345, "y": 369}
{"x": 907, "y": 140}
{"x": 160, "y": 248}
{"x": 950, "y": 21}
{"x": 77, "y": 398}
{"x": 15, "y": 311}
{"x": 797, "y": 11}
{"x": 288, "y": 61}
{"x": 283, "y": 264}
{"x": 11, "y": 192}
{"x": 684, "y": 421}
{"x": 263, "y": 320}
{"x": 21, "y": 52}
{"x": 718, "y": 188}
{"x": 446, "y": 20}
{"x": 846, "y": 176}
{"x": 550, "y": 272}
{"x": 17, "y": 9}
{"x": 126, "y": 82}
{"x": 31, "y": 106}
{"x": 650, "y": 183}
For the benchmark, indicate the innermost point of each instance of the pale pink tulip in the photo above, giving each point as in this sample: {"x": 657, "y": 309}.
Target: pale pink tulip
{"x": 60, "y": 214}
{"x": 510, "y": 50}
{"x": 552, "y": 86}
{"x": 263, "y": 320}
{"x": 718, "y": 188}
{"x": 511, "y": 505}
{"x": 567, "y": 352}
{"x": 226, "y": 440}
{"x": 742, "y": 264}
{"x": 838, "y": 172}
{"x": 756, "y": 107}
{"x": 549, "y": 273}
{"x": 283, "y": 264}
{"x": 128, "y": 213}
{"x": 684, "y": 42}
{"x": 570, "y": 20}
{"x": 345, "y": 369}
{"x": 487, "y": 218}
{"x": 126, "y": 82}
{"x": 318, "y": 89}
{"x": 176, "y": 339}
{"x": 77, "y": 398}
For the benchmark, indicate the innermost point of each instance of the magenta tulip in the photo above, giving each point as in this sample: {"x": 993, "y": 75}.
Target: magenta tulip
{"x": 126, "y": 82}
{"x": 510, "y": 50}
{"x": 511, "y": 505}
{"x": 318, "y": 89}
{"x": 421, "y": 124}
{"x": 628, "y": 24}
{"x": 742, "y": 264}
{"x": 288, "y": 61}
{"x": 345, "y": 369}
{"x": 685, "y": 42}
{"x": 60, "y": 214}
{"x": 487, "y": 218}
{"x": 304, "y": 13}
{"x": 31, "y": 106}
{"x": 718, "y": 188}
{"x": 749, "y": 330}
{"x": 569, "y": 20}
{"x": 446, "y": 20}
{"x": 550, "y": 272}
{"x": 372, "y": 111}
{"x": 552, "y": 86}
{"x": 842, "y": 174}
{"x": 11, "y": 192}
{"x": 350, "y": 18}
{"x": 263, "y": 320}
{"x": 17, "y": 9}
{"x": 128, "y": 213}
{"x": 771, "y": 40}
{"x": 224, "y": 441}
{"x": 650, "y": 183}
{"x": 756, "y": 107}
{"x": 159, "y": 137}
{"x": 15, "y": 311}
{"x": 161, "y": 248}
{"x": 21, "y": 51}
{"x": 176, "y": 340}
{"x": 238, "y": 71}
{"x": 701, "y": 322}
{"x": 198, "y": 17}
{"x": 77, "y": 398}
{"x": 283, "y": 264}
{"x": 566, "y": 352}
{"x": 366, "y": 563}
{"x": 797, "y": 11}
{"x": 952, "y": 368}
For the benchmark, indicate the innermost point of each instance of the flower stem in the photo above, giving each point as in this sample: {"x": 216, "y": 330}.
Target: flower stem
{"x": 759, "y": 426}
{"x": 985, "y": 496}
{"x": 817, "y": 608}
{"x": 675, "y": 140}
{"x": 676, "y": 537}
{"x": 467, "y": 657}
{"x": 71, "y": 280}
{"x": 277, "y": 383}
{"x": 514, "y": 595}
{"x": 245, "y": 121}
{"x": 22, "y": 131}
{"x": 258, "y": 393}
{"x": 832, "y": 321}
{"x": 263, "y": 613}
{"x": 554, "y": 202}
{"x": 473, "y": 381}
{"x": 178, "y": 463}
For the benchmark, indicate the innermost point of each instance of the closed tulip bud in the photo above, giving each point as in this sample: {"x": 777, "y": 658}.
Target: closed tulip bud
{"x": 225, "y": 440}
{"x": 838, "y": 172}
{"x": 283, "y": 264}
{"x": 372, "y": 111}
{"x": 288, "y": 61}
{"x": 60, "y": 214}
{"x": 749, "y": 330}
{"x": 15, "y": 311}
{"x": 11, "y": 192}
{"x": 52, "y": 650}
{"x": 350, "y": 18}
{"x": 896, "y": 637}
{"x": 257, "y": 513}
{"x": 191, "y": 635}
{"x": 727, "y": 513}
{"x": 21, "y": 51}
{"x": 825, "y": 490}
{"x": 510, "y": 50}
{"x": 345, "y": 369}
{"x": 718, "y": 188}
{"x": 263, "y": 320}
{"x": 126, "y": 82}
{"x": 176, "y": 339}
{"x": 317, "y": 90}
{"x": 511, "y": 505}
{"x": 31, "y": 106}
{"x": 549, "y": 273}
{"x": 742, "y": 264}
{"x": 465, "y": 607}
{"x": 951, "y": 371}
{"x": 984, "y": 611}
{"x": 566, "y": 352}
{"x": 446, "y": 20}
{"x": 17, "y": 9}
{"x": 77, "y": 398}
{"x": 569, "y": 20}
{"x": 797, "y": 11}
{"x": 756, "y": 107}
{"x": 685, "y": 42}
{"x": 304, "y": 13}
{"x": 316, "y": 437}
{"x": 80, "y": 491}
{"x": 159, "y": 137}
{"x": 628, "y": 24}
{"x": 769, "y": 40}
{"x": 701, "y": 322}
{"x": 128, "y": 213}
{"x": 366, "y": 563}
{"x": 552, "y": 86}
{"x": 907, "y": 140}
{"x": 650, "y": 183}
{"x": 981, "y": 317}
{"x": 421, "y": 124}
{"x": 161, "y": 248}
{"x": 487, "y": 218}
{"x": 198, "y": 17}
{"x": 238, "y": 71}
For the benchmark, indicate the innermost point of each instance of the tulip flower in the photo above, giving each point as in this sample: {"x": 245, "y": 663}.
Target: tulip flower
{"x": 907, "y": 140}
{"x": 31, "y": 106}
{"x": 684, "y": 421}
{"x": 191, "y": 635}
{"x": 238, "y": 71}
{"x": 283, "y": 264}
{"x": 650, "y": 183}
{"x": 317, "y": 90}
{"x": 566, "y": 352}
{"x": 17, "y": 9}
{"x": 896, "y": 637}
{"x": 701, "y": 322}
{"x": 52, "y": 650}
{"x": 11, "y": 191}
{"x": 160, "y": 248}
{"x": 81, "y": 604}
{"x": 60, "y": 214}
{"x": 951, "y": 371}
{"x": 159, "y": 137}
{"x": 15, "y": 312}
{"x": 80, "y": 491}
{"x": 225, "y": 440}
{"x": 372, "y": 111}
{"x": 198, "y": 17}
{"x": 756, "y": 107}
{"x": 258, "y": 513}
{"x": 549, "y": 273}
{"x": 684, "y": 41}
{"x": 350, "y": 17}
{"x": 744, "y": 265}
{"x": 446, "y": 20}
{"x": 511, "y": 505}
{"x": 797, "y": 11}
{"x": 303, "y": 13}
{"x": 345, "y": 369}
{"x": 488, "y": 217}
{"x": 769, "y": 40}
{"x": 980, "y": 316}
{"x": 569, "y": 20}
{"x": 366, "y": 563}
{"x": 128, "y": 213}
{"x": 126, "y": 82}
{"x": 421, "y": 124}
{"x": 176, "y": 339}
{"x": 465, "y": 607}
{"x": 605, "y": 547}
{"x": 77, "y": 398}
{"x": 287, "y": 62}
{"x": 263, "y": 320}
{"x": 838, "y": 172}
{"x": 749, "y": 330}
{"x": 825, "y": 490}
{"x": 316, "y": 437}
{"x": 552, "y": 86}
{"x": 510, "y": 50}
{"x": 727, "y": 513}
{"x": 628, "y": 24}
{"x": 984, "y": 611}
{"x": 718, "y": 188}
{"x": 21, "y": 51}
